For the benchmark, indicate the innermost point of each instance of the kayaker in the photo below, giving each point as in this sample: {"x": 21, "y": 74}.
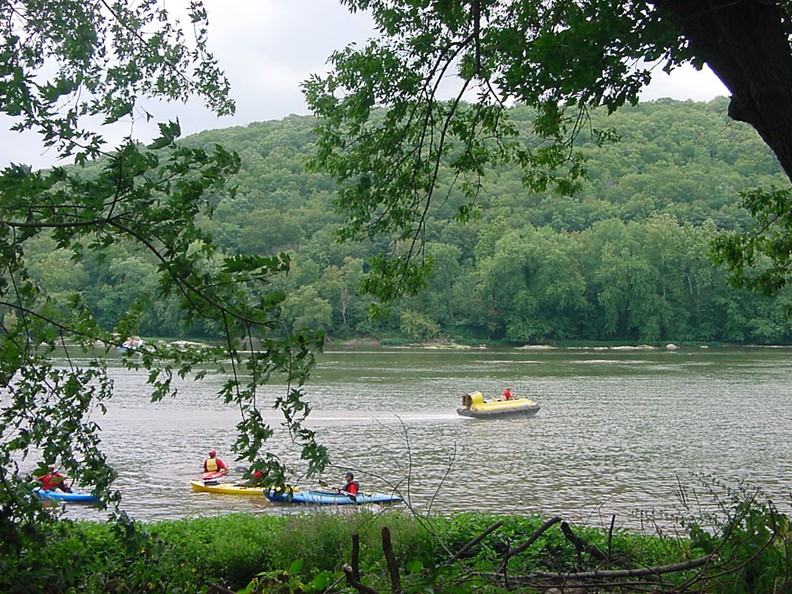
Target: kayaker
{"x": 507, "y": 395}
{"x": 351, "y": 486}
{"x": 214, "y": 464}
{"x": 53, "y": 481}
{"x": 256, "y": 480}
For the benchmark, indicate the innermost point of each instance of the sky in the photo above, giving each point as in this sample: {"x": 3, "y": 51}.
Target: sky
{"x": 267, "y": 48}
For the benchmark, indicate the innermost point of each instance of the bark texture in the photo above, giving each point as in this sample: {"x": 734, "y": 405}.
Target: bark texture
{"x": 746, "y": 44}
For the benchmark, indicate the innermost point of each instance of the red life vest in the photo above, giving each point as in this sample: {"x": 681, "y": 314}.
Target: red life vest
{"x": 50, "y": 481}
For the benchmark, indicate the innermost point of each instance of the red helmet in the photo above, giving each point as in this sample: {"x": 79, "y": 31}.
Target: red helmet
{"x": 212, "y": 453}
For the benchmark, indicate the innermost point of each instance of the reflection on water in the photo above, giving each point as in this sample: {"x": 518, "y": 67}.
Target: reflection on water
{"x": 617, "y": 432}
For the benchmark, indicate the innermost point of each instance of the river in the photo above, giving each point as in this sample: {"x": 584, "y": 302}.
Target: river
{"x": 619, "y": 431}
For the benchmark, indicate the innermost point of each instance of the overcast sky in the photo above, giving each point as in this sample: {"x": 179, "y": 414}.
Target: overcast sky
{"x": 267, "y": 47}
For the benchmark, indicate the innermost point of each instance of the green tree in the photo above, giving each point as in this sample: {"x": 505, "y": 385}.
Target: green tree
{"x": 131, "y": 279}
{"x": 626, "y": 290}
{"x": 267, "y": 231}
{"x": 386, "y": 125}
{"x": 66, "y": 65}
{"x": 417, "y": 326}
{"x": 340, "y": 287}
{"x": 305, "y": 310}
{"x": 440, "y": 302}
{"x": 55, "y": 270}
{"x": 533, "y": 277}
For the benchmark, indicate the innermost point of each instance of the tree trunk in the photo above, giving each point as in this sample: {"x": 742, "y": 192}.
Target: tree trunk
{"x": 745, "y": 43}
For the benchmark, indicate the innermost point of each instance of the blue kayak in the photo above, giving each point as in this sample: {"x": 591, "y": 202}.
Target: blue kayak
{"x": 71, "y": 497}
{"x": 323, "y": 497}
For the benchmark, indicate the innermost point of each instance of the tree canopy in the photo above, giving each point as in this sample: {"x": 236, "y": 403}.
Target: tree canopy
{"x": 560, "y": 58}
{"x": 67, "y": 65}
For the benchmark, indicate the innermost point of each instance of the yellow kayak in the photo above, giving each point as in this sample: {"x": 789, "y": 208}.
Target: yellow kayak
{"x": 229, "y": 489}
{"x": 226, "y": 489}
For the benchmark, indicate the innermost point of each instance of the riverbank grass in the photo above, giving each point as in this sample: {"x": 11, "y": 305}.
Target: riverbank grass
{"x": 310, "y": 553}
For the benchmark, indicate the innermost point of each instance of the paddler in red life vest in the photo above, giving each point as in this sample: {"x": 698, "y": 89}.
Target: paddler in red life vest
{"x": 214, "y": 464}
{"x": 507, "y": 395}
{"x": 256, "y": 480}
{"x": 351, "y": 486}
{"x": 53, "y": 481}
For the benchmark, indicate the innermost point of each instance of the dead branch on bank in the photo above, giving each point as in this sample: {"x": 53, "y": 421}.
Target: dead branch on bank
{"x": 612, "y": 574}
{"x": 539, "y": 531}
{"x": 475, "y": 541}
{"x": 538, "y": 579}
{"x": 390, "y": 558}
{"x": 355, "y": 583}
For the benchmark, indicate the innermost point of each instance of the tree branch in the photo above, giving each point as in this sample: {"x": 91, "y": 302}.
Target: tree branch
{"x": 580, "y": 544}
{"x": 476, "y": 540}
{"x": 539, "y": 531}
{"x": 355, "y": 583}
{"x": 356, "y": 556}
{"x": 390, "y": 558}
{"x": 620, "y": 573}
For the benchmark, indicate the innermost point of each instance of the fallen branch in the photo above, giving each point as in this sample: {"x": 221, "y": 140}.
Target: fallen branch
{"x": 356, "y": 556}
{"x": 539, "y": 531}
{"x": 475, "y": 541}
{"x": 512, "y": 552}
{"x": 609, "y": 574}
{"x": 582, "y": 545}
{"x": 390, "y": 558}
{"x": 355, "y": 583}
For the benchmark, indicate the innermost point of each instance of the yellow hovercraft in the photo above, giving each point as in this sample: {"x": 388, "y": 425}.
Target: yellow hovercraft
{"x": 475, "y": 405}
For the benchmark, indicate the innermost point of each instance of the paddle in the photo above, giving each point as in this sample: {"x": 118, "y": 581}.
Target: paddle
{"x": 324, "y": 484}
{"x": 338, "y": 490}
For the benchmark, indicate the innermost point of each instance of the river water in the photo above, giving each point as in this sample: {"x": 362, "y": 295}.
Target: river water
{"x": 619, "y": 431}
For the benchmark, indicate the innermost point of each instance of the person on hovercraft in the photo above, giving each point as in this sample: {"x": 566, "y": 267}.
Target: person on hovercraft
{"x": 214, "y": 464}
{"x": 507, "y": 395}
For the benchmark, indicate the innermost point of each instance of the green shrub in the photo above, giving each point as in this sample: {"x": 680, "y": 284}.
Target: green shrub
{"x": 306, "y": 553}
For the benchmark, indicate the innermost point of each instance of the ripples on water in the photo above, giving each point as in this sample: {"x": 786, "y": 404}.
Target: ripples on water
{"x": 618, "y": 432}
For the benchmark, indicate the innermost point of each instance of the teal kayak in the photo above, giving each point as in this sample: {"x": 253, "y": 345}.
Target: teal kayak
{"x": 71, "y": 497}
{"x": 323, "y": 497}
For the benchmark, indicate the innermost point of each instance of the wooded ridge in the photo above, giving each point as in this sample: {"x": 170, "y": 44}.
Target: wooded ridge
{"x": 626, "y": 258}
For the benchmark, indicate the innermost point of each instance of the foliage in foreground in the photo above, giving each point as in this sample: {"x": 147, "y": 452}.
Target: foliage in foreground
{"x": 741, "y": 545}
{"x": 65, "y": 66}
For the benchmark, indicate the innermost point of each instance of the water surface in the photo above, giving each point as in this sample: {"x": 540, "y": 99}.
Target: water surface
{"x": 619, "y": 431}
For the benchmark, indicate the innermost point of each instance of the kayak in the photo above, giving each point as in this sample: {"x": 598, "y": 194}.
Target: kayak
{"x": 228, "y": 488}
{"x": 73, "y": 497}
{"x": 321, "y": 497}
{"x": 324, "y": 497}
{"x": 225, "y": 488}
{"x": 213, "y": 476}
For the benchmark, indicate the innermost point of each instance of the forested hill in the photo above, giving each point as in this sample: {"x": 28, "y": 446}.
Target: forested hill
{"x": 685, "y": 159}
{"x": 624, "y": 259}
